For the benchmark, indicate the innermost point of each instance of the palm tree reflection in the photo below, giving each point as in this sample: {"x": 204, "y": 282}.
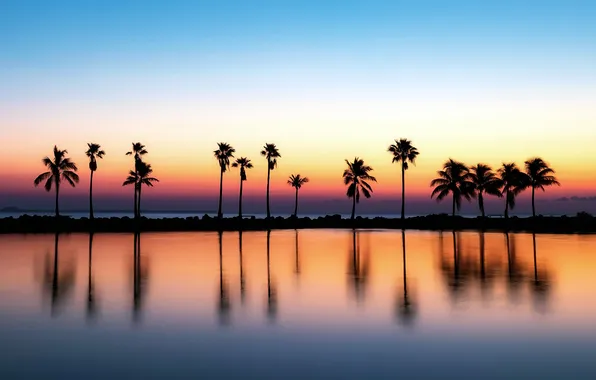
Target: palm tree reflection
{"x": 541, "y": 284}
{"x": 271, "y": 290}
{"x": 297, "y": 255}
{"x": 242, "y": 280}
{"x": 59, "y": 286}
{"x": 514, "y": 271}
{"x": 91, "y": 301}
{"x": 140, "y": 278}
{"x": 406, "y": 313}
{"x": 357, "y": 270}
{"x": 224, "y": 306}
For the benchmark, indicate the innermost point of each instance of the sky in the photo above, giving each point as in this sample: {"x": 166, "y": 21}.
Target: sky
{"x": 490, "y": 81}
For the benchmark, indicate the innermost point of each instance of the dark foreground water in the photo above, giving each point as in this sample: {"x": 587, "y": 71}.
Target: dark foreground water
{"x": 300, "y": 305}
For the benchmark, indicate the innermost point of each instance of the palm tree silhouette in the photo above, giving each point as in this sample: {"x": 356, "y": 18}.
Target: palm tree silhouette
{"x": 540, "y": 175}
{"x": 60, "y": 168}
{"x": 403, "y": 151}
{"x": 514, "y": 181}
{"x": 485, "y": 181}
{"x": 271, "y": 153}
{"x": 243, "y": 163}
{"x": 138, "y": 150}
{"x": 455, "y": 179}
{"x": 141, "y": 177}
{"x": 94, "y": 152}
{"x": 296, "y": 181}
{"x": 223, "y": 154}
{"x": 355, "y": 176}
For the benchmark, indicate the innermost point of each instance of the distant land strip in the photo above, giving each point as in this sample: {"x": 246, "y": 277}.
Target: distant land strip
{"x": 581, "y": 223}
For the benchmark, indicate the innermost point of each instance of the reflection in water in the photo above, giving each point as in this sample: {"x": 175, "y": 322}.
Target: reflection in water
{"x": 271, "y": 289}
{"x": 224, "y": 305}
{"x": 140, "y": 279}
{"x": 58, "y": 283}
{"x": 242, "y": 281}
{"x": 514, "y": 270}
{"x": 91, "y": 301}
{"x": 540, "y": 285}
{"x": 297, "y": 255}
{"x": 407, "y": 309}
{"x": 358, "y": 269}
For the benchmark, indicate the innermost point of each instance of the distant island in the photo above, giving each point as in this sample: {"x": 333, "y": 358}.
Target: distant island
{"x": 581, "y": 223}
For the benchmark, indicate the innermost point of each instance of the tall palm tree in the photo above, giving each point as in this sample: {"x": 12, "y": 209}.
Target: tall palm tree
{"x": 138, "y": 150}
{"x": 94, "y": 152}
{"x": 223, "y": 154}
{"x": 296, "y": 181}
{"x": 60, "y": 168}
{"x": 403, "y": 151}
{"x": 243, "y": 163}
{"x": 539, "y": 175}
{"x": 142, "y": 177}
{"x": 271, "y": 153}
{"x": 485, "y": 181}
{"x": 454, "y": 179}
{"x": 514, "y": 182}
{"x": 356, "y": 177}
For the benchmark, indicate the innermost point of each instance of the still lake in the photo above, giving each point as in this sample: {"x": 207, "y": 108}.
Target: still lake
{"x": 329, "y": 304}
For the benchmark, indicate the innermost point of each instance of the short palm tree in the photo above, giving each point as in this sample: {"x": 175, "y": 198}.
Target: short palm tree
{"x": 514, "y": 181}
{"x": 138, "y": 150}
{"x": 60, "y": 168}
{"x": 138, "y": 179}
{"x": 243, "y": 163}
{"x": 356, "y": 177}
{"x": 454, "y": 179}
{"x": 403, "y": 151}
{"x": 485, "y": 181}
{"x": 271, "y": 153}
{"x": 296, "y": 181}
{"x": 223, "y": 154}
{"x": 94, "y": 152}
{"x": 539, "y": 175}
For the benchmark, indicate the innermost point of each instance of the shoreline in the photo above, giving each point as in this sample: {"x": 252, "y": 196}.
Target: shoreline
{"x": 582, "y": 223}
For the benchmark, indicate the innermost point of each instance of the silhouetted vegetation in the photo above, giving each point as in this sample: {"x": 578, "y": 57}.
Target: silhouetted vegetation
{"x": 514, "y": 182}
{"x": 138, "y": 150}
{"x": 94, "y": 152}
{"x": 60, "y": 168}
{"x": 403, "y": 151}
{"x": 139, "y": 178}
{"x": 223, "y": 154}
{"x": 540, "y": 175}
{"x": 296, "y": 181}
{"x": 271, "y": 153}
{"x": 454, "y": 179}
{"x": 356, "y": 177}
{"x": 243, "y": 163}
{"x": 485, "y": 181}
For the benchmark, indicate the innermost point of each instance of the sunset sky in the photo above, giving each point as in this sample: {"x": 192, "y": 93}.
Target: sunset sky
{"x": 478, "y": 81}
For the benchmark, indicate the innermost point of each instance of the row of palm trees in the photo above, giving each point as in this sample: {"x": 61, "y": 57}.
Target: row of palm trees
{"x": 455, "y": 178}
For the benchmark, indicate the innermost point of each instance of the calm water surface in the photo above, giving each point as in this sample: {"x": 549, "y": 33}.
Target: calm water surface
{"x": 307, "y": 304}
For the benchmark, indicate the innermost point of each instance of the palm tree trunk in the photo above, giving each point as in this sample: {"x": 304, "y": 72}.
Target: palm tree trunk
{"x": 296, "y": 205}
{"x": 91, "y": 197}
{"x": 453, "y": 208}
{"x": 353, "y": 206}
{"x": 57, "y": 207}
{"x": 240, "y": 200}
{"x": 506, "y": 205}
{"x": 403, "y": 192}
{"x": 268, "y": 179}
{"x": 136, "y": 202}
{"x": 139, "y": 206}
{"x": 533, "y": 206}
{"x": 481, "y": 204}
{"x": 219, "y": 214}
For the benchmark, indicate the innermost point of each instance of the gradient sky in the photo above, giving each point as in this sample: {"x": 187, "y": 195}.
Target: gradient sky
{"x": 488, "y": 81}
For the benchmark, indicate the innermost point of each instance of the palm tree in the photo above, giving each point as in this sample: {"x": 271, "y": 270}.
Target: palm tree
{"x": 403, "y": 151}
{"x": 94, "y": 152}
{"x": 243, "y": 163}
{"x": 455, "y": 179}
{"x": 138, "y": 150}
{"x": 60, "y": 168}
{"x": 485, "y": 181}
{"x": 142, "y": 177}
{"x": 223, "y": 154}
{"x": 539, "y": 175}
{"x": 514, "y": 181}
{"x": 297, "y": 181}
{"x": 271, "y": 153}
{"x": 355, "y": 176}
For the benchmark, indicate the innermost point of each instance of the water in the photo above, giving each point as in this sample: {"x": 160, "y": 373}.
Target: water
{"x": 325, "y": 304}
